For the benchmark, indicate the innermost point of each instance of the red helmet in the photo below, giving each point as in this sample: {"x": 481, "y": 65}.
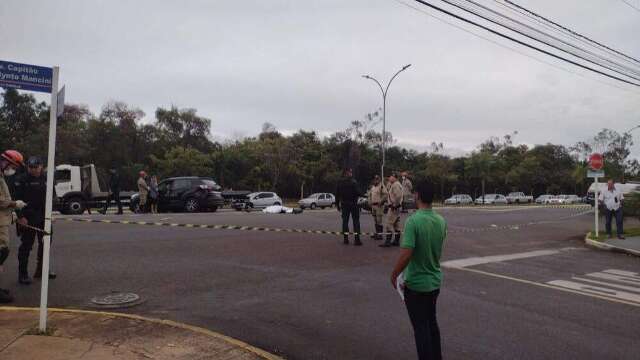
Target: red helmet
{"x": 13, "y": 157}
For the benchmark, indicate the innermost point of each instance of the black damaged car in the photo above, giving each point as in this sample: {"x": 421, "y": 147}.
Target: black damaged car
{"x": 185, "y": 194}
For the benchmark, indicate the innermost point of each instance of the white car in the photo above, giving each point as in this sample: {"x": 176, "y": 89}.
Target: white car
{"x": 490, "y": 199}
{"x": 459, "y": 199}
{"x": 570, "y": 199}
{"x": 519, "y": 197}
{"x": 542, "y": 199}
{"x": 321, "y": 200}
{"x": 262, "y": 200}
{"x": 554, "y": 200}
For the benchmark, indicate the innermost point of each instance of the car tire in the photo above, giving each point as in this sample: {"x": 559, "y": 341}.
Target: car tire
{"x": 277, "y": 203}
{"x": 313, "y": 206}
{"x": 74, "y": 206}
{"x": 191, "y": 205}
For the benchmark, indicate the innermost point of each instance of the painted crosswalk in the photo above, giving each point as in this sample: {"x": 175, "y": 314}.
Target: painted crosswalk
{"x": 611, "y": 283}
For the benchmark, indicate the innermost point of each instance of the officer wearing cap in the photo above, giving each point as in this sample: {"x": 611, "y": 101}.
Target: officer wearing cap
{"x": 31, "y": 188}
{"x": 10, "y": 161}
{"x": 393, "y": 214}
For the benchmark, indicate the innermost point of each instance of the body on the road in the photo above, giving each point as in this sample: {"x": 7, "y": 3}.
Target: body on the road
{"x": 347, "y": 194}
{"x": 10, "y": 160}
{"x": 377, "y": 197}
{"x": 393, "y": 226}
{"x": 31, "y": 188}
{"x": 612, "y": 199}
{"x": 422, "y": 241}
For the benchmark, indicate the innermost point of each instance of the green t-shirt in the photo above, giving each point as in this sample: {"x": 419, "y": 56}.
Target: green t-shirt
{"x": 424, "y": 232}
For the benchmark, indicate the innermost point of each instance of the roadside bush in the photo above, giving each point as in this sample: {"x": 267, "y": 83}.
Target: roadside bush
{"x": 632, "y": 205}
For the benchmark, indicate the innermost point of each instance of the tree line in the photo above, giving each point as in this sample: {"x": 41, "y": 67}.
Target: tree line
{"x": 178, "y": 143}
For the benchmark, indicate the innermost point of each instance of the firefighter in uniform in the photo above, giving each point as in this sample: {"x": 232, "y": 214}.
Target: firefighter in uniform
{"x": 393, "y": 214}
{"x": 32, "y": 189}
{"x": 377, "y": 197}
{"x": 10, "y": 161}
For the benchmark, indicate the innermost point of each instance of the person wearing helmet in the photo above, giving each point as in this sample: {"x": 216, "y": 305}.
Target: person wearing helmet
{"x": 31, "y": 188}
{"x": 10, "y": 161}
{"x": 143, "y": 191}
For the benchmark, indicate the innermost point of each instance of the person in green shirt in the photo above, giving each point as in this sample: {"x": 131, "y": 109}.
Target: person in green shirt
{"x": 421, "y": 249}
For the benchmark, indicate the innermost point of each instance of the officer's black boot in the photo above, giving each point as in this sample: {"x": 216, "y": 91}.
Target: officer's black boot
{"x": 23, "y": 273}
{"x": 396, "y": 240}
{"x": 346, "y": 240}
{"x": 387, "y": 242}
{"x": 379, "y": 230}
{"x": 357, "y": 241}
{"x": 38, "y": 273}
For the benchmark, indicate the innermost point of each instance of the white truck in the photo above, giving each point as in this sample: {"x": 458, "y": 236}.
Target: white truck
{"x": 519, "y": 197}
{"x": 79, "y": 187}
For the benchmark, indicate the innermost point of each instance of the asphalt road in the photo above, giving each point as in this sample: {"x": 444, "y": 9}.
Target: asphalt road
{"x": 307, "y": 296}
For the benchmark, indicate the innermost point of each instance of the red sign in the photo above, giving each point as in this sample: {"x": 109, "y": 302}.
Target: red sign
{"x": 596, "y": 161}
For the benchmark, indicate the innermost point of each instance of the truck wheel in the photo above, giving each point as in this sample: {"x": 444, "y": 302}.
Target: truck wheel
{"x": 313, "y": 206}
{"x": 191, "y": 205}
{"x": 75, "y": 206}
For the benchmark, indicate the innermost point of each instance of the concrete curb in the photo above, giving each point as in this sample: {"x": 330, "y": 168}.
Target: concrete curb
{"x": 237, "y": 343}
{"x": 604, "y": 246}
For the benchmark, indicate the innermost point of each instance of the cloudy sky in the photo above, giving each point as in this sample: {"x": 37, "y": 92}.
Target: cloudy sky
{"x": 298, "y": 65}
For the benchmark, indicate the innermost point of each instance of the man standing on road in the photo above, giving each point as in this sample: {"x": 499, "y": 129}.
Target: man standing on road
{"x": 143, "y": 191}
{"x": 347, "y": 195}
{"x": 114, "y": 192}
{"x": 377, "y": 197}
{"x": 407, "y": 190}
{"x": 424, "y": 235}
{"x": 10, "y": 161}
{"x": 393, "y": 214}
{"x": 32, "y": 189}
{"x": 612, "y": 199}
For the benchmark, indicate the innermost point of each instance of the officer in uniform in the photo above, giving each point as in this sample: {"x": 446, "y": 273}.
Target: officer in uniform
{"x": 393, "y": 215}
{"x": 377, "y": 197}
{"x": 114, "y": 192}
{"x": 10, "y": 161}
{"x": 407, "y": 191}
{"x": 143, "y": 192}
{"x": 347, "y": 195}
{"x": 32, "y": 189}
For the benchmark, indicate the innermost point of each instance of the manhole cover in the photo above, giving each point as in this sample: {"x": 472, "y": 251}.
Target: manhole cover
{"x": 116, "y": 300}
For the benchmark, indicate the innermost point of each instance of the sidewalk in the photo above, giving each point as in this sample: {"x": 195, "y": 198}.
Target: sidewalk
{"x": 630, "y": 245}
{"x": 81, "y": 334}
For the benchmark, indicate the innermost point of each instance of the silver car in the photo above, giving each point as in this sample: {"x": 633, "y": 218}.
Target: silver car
{"x": 542, "y": 199}
{"x": 459, "y": 199}
{"x": 490, "y": 199}
{"x": 321, "y": 200}
{"x": 263, "y": 199}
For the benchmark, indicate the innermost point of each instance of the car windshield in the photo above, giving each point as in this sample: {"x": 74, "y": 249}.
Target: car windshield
{"x": 314, "y": 196}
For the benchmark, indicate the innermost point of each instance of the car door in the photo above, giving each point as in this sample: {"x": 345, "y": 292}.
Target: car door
{"x": 163, "y": 194}
{"x": 259, "y": 200}
{"x": 178, "y": 190}
{"x": 322, "y": 200}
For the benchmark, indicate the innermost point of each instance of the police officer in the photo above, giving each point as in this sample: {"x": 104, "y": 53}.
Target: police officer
{"x": 143, "y": 192}
{"x": 32, "y": 189}
{"x": 114, "y": 192}
{"x": 377, "y": 197}
{"x": 393, "y": 214}
{"x": 10, "y": 161}
{"x": 407, "y": 191}
{"x": 347, "y": 195}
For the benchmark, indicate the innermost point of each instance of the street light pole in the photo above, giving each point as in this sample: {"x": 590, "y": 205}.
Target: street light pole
{"x": 628, "y": 132}
{"x": 384, "y": 92}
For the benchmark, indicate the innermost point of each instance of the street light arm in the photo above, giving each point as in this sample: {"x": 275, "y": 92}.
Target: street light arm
{"x": 394, "y": 76}
{"x": 384, "y": 94}
{"x": 630, "y": 130}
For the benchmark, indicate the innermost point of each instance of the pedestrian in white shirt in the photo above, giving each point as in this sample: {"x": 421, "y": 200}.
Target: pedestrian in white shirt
{"x": 612, "y": 199}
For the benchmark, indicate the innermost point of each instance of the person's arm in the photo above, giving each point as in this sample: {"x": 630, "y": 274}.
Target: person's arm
{"x": 338, "y": 196}
{"x": 401, "y": 264}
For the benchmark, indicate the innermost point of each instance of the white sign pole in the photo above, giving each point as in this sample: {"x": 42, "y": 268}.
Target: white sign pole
{"x": 595, "y": 204}
{"x": 51, "y": 169}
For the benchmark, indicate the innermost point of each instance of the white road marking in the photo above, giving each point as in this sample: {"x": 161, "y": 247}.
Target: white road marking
{"x": 618, "y": 278}
{"x": 473, "y": 261}
{"x": 623, "y": 273}
{"x": 596, "y": 290}
{"x": 617, "y": 286}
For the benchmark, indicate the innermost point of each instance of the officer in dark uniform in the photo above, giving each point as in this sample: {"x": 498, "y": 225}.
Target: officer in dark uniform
{"x": 32, "y": 189}
{"x": 114, "y": 192}
{"x": 347, "y": 195}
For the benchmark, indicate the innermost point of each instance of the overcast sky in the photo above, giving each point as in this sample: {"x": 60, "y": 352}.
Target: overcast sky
{"x": 298, "y": 65}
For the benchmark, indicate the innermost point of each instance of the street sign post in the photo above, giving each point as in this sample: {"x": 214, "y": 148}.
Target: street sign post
{"x": 596, "y": 164}
{"x": 41, "y": 79}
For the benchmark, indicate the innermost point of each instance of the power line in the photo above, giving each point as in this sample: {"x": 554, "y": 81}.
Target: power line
{"x": 526, "y": 44}
{"x": 511, "y": 48}
{"x": 631, "y": 5}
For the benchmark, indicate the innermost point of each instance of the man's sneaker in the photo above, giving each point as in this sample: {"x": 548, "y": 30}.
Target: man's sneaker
{"x": 621, "y": 237}
{"x": 24, "y": 279}
{"x": 5, "y": 297}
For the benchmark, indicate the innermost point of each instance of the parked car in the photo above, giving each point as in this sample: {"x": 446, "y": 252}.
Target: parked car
{"x": 542, "y": 199}
{"x": 459, "y": 199}
{"x": 188, "y": 194}
{"x": 258, "y": 200}
{"x": 321, "y": 200}
{"x": 519, "y": 197}
{"x": 490, "y": 199}
{"x": 554, "y": 200}
{"x": 570, "y": 199}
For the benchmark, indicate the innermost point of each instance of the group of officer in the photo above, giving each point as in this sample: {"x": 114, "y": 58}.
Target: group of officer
{"x": 392, "y": 196}
{"x": 29, "y": 192}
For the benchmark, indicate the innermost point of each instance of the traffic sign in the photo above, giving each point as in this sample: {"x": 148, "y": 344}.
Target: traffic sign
{"x": 595, "y": 173}
{"x": 596, "y": 161}
{"x": 25, "y": 77}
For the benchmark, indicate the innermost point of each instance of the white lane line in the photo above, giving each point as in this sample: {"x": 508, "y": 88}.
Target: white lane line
{"x": 473, "y": 261}
{"x": 617, "y": 286}
{"x": 618, "y": 278}
{"x": 596, "y": 290}
{"x": 623, "y": 273}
